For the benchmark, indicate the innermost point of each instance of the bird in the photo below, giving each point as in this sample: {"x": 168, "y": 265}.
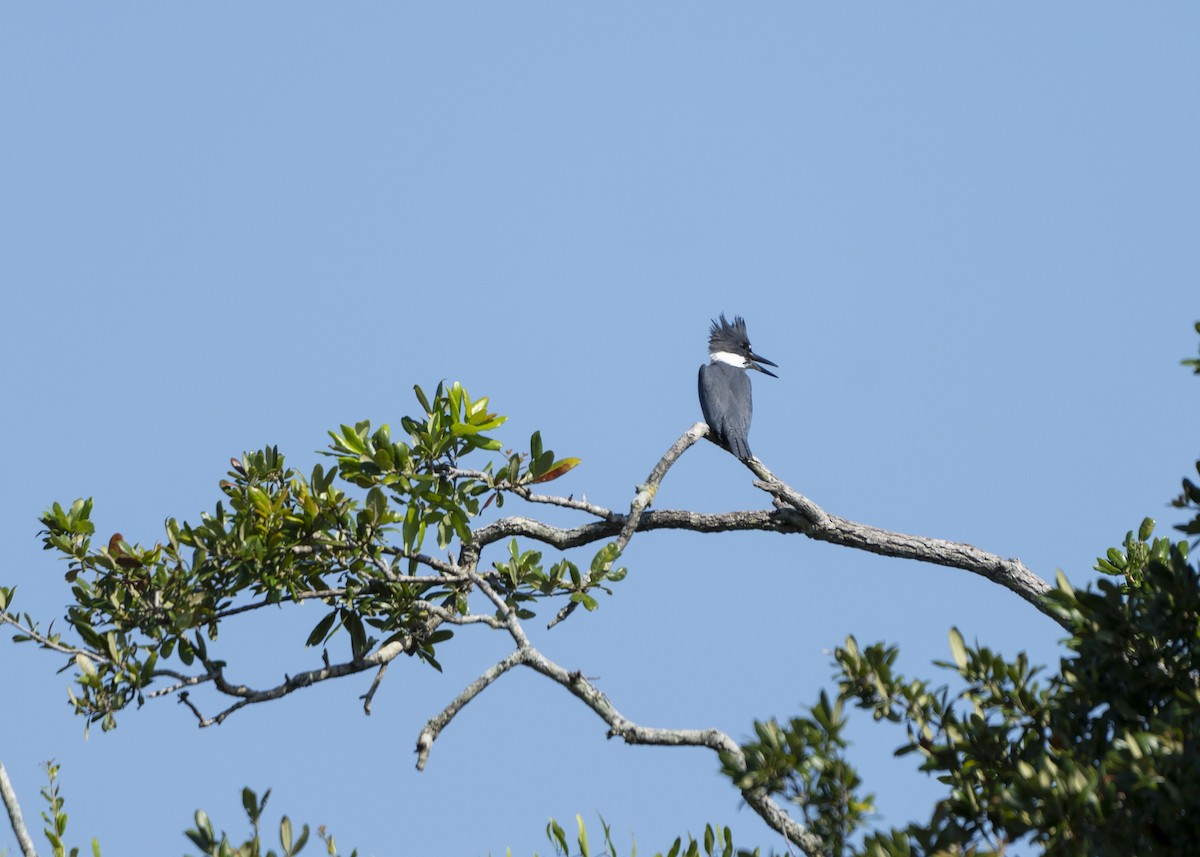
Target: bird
{"x": 725, "y": 387}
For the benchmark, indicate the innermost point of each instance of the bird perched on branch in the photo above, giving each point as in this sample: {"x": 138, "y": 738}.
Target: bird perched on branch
{"x": 725, "y": 387}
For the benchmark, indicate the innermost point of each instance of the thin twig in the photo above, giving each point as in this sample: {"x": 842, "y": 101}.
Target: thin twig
{"x": 526, "y": 493}
{"x": 181, "y": 681}
{"x": 565, "y": 502}
{"x": 47, "y": 643}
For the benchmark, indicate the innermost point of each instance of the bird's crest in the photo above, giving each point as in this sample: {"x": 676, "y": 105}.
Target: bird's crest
{"x": 727, "y": 335}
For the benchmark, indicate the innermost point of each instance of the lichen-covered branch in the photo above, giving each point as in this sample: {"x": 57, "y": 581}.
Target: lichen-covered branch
{"x": 814, "y": 522}
{"x": 15, "y": 819}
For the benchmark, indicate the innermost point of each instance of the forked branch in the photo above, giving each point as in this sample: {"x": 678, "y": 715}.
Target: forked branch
{"x": 526, "y": 654}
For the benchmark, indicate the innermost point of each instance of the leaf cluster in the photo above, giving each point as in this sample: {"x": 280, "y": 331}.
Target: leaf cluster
{"x": 211, "y": 844}
{"x": 804, "y": 761}
{"x": 349, "y": 535}
{"x": 1098, "y": 759}
{"x": 715, "y": 842}
{"x": 55, "y": 816}
{"x": 523, "y": 578}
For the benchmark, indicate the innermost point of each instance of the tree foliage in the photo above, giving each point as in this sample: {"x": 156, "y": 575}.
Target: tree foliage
{"x": 281, "y": 536}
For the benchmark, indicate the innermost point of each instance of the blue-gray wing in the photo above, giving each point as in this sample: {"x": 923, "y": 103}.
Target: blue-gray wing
{"x": 725, "y": 402}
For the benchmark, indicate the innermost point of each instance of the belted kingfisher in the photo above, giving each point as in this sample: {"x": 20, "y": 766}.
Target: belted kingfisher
{"x": 725, "y": 387}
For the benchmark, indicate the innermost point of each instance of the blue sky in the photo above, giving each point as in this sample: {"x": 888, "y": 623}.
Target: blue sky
{"x": 966, "y": 234}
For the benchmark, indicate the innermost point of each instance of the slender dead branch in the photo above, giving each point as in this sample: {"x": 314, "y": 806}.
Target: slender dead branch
{"x": 370, "y": 694}
{"x": 15, "y": 819}
{"x": 566, "y": 502}
{"x": 641, "y": 501}
{"x": 181, "y": 682}
{"x": 647, "y": 490}
{"x": 526, "y": 654}
{"x": 619, "y": 727}
{"x": 714, "y": 739}
{"x": 439, "y": 722}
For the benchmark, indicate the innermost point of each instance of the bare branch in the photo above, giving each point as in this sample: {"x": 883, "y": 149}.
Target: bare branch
{"x": 439, "y": 565}
{"x": 15, "y": 819}
{"x": 436, "y": 724}
{"x": 661, "y": 519}
{"x": 565, "y": 502}
{"x": 508, "y": 617}
{"x": 204, "y": 721}
{"x": 713, "y": 739}
{"x": 641, "y": 501}
{"x": 619, "y": 727}
{"x": 646, "y": 491}
{"x": 794, "y": 513}
{"x": 370, "y": 694}
{"x": 816, "y": 523}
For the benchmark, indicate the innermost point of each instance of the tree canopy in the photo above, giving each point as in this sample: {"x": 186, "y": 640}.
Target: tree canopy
{"x": 1098, "y": 756}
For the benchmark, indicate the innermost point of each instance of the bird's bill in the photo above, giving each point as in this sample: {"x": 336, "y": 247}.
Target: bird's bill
{"x": 754, "y": 360}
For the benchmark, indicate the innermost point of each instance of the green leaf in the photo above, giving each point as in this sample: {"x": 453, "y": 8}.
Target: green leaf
{"x": 604, "y": 558}
{"x": 250, "y": 803}
{"x": 586, "y": 600}
{"x": 358, "y": 635}
{"x": 464, "y": 429}
{"x": 557, "y": 469}
{"x": 321, "y": 630}
{"x": 584, "y": 850}
{"x": 958, "y": 648}
{"x": 411, "y": 529}
{"x": 557, "y": 835}
{"x": 1146, "y": 529}
{"x": 539, "y": 465}
{"x": 377, "y": 504}
{"x": 350, "y": 440}
{"x": 203, "y": 824}
{"x": 302, "y": 840}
